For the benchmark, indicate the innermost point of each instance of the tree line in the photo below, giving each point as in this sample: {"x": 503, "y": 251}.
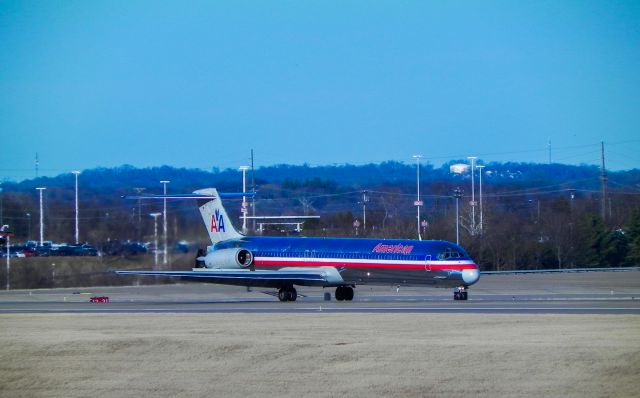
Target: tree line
{"x": 533, "y": 216}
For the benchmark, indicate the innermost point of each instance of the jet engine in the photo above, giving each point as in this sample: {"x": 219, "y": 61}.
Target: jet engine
{"x": 229, "y": 259}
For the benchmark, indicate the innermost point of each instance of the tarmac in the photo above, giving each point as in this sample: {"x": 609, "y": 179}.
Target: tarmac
{"x": 570, "y": 335}
{"x": 557, "y": 293}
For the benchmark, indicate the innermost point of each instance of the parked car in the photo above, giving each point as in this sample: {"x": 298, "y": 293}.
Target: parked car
{"x": 123, "y": 248}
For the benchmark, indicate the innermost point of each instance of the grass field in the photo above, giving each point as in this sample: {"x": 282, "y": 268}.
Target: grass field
{"x": 319, "y": 355}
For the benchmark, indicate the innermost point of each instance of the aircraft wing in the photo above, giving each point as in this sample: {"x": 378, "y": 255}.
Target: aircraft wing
{"x": 316, "y": 276}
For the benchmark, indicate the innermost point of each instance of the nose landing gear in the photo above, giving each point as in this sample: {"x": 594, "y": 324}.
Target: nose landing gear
{"x": 460, "y": 293}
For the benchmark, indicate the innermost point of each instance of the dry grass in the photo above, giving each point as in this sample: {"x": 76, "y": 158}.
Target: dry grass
{"x": 324, "y": 355}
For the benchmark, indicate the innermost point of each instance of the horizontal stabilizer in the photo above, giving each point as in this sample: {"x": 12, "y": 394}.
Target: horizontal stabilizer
{"x": 222, "y": 195}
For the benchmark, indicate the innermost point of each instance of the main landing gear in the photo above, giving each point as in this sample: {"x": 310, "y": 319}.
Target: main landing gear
{"x": 287, "y": 293}
{"x": 344, "y": 293}
{"x": 460, "y": 293}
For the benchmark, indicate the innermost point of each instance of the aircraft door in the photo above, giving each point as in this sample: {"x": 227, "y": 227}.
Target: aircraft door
{"x": 427, "y": 263}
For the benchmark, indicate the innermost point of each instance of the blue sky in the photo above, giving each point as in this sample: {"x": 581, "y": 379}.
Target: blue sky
{"x": 199, "y": 83}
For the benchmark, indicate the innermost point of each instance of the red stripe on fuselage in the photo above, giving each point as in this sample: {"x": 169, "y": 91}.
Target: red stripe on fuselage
{"x": 425, "y": 266}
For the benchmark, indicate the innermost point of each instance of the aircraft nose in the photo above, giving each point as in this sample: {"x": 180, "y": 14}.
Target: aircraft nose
{"x": 470, "y": 276}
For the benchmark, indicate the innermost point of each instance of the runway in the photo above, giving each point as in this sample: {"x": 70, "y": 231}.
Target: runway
{"x": 581, "y": 293}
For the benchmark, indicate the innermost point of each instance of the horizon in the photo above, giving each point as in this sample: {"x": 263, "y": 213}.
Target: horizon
{"x": 423, "y": 165}
{"x": 53, "y": 172}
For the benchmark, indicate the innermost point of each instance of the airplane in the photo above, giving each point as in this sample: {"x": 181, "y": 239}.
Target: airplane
{"x": 343, "y": 263}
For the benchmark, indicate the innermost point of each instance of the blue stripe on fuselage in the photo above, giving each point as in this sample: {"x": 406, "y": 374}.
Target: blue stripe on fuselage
{"x": 352, "y": 248}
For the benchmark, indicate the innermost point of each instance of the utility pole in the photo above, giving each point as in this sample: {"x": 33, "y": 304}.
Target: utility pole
{"x": 139, "y": 191}
{"x": 41, "y": 217}
{"x": 164, "y": 221}
{"x": 603, "y": 185}
{"x": 253, "y": 198}
{"x": 244, "y": 198}
{"x": 1, "y": 207}
{"x": 480, "y": 167}
{"x": 75, "y": 172}
{"x": 457, "y": 194}
{"x": 365, "y": 199}
{"x": 7, "y": 234}
{"x": 473, "y": 193}
{"x": 155, "y": 237}
{"x": 418, "y": 202}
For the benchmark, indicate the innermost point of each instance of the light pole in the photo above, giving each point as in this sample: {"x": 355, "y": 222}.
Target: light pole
{"x": 244, "y": 198}
{"x": 480, "y": 167}
{"x": 164, "y": 221}
{"x": 155, "y": 237}
{"x": 418, "y": 202}
{"x": 7, "y": 234}
{"x": 75, "y": 172}
{"x": 1, "y": 206}
{"x": 139, "y": 191}
{"x": 473, "y": 194}
{"x": 457, "y": 193}
{"x": 41, "y": 217}
{"x": 29, "y": 226}
{"x": 365, "y": 199}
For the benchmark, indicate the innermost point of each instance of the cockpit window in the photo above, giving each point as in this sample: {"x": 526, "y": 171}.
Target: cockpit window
{"x": 449, "y": 253}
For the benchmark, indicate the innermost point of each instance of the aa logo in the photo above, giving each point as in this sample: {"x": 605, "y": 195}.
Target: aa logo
{"x": 217, "y": 222}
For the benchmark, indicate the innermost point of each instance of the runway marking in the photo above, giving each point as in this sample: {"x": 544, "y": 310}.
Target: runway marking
{"x": 596, "y": 310}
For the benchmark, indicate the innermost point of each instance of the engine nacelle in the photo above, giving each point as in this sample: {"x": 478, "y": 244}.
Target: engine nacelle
{"x": 229, "y": 259}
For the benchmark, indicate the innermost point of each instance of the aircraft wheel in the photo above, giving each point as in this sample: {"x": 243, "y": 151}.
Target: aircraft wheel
{"x": 348, "y": 293}
{"x": 287, "y": 294}
{"x": 464, "y": 296}
{"x": 456, "y": 296}
{"x": 340, "y": 293}
{"x": 344, "y": 293}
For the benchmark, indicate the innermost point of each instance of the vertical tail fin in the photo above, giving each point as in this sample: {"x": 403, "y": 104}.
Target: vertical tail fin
{"x": 216, "y": 220}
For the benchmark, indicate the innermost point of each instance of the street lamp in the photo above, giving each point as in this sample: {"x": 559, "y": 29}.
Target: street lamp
{"x": 457, "y": 193}
{"x": 365, "y": 199}
{"x": 75, "y": 172}
{"x": 1, "y": 207}
{"x": 244, "y": 198}
{"x": 41, "y": 217}
{"x": 28, "y": 226}
{"x": 164, "y": 221}
{"x": 139, "y": 191}
{"x": 473, "y": 194}
{"x": 418, "y": 202}
{"x": 481, "y": 219}
{"x": 7, "y": 234}
{"x": 8, "y": 241}
{"x": 155, "y": 237}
